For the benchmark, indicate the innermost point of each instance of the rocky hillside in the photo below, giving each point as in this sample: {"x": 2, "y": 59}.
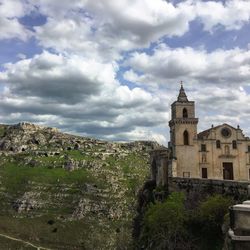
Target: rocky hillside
{"x": 62, "y": 191}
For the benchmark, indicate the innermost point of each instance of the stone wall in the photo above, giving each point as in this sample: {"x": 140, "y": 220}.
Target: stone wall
{"x": 198, "y": 189}
{"x": 159, "y": 165}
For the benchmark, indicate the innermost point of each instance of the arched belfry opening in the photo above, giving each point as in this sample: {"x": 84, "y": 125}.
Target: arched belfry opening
{"x": 184, "y": 113}
{"x": 185, "y": 138}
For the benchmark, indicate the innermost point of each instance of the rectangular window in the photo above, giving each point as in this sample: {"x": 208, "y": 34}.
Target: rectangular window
{"x": 234, "y": 144}
{"x": 186, "y": 174}
{"x": 248, "y": 148}
{"x": 203, "y": 148}
{"x": 218, "y": 144}
{"x": 204, "y": 173}
{"x": 249, "y": 174}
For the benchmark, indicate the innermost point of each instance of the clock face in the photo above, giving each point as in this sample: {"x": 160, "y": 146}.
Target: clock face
{"x": 226, "y": 132}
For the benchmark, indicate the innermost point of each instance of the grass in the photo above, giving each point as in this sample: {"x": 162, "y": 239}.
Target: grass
{"x": 82, "y": 234}
{"x": 75, "y": 154}
{"x": 2, "y": 130}
{"x": 11, "y": 244}
{"x": 61, "y": 191}
{"x": 16, "y": 178}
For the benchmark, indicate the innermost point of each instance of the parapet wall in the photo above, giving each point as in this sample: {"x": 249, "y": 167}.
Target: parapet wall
{"x": 198, "y": 189}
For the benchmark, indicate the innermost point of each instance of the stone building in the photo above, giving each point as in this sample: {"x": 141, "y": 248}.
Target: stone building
{"x": 220, "y": 152}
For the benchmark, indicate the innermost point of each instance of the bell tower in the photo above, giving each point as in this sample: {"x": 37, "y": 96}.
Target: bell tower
{"x": 183, "y": 134}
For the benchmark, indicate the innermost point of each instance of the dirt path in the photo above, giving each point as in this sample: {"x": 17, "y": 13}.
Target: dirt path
{"x": 24, "y": 242}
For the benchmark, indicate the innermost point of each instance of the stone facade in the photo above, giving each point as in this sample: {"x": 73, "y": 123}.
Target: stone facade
{"x": 159, "y": 161}
{"x": 221, "y": 152}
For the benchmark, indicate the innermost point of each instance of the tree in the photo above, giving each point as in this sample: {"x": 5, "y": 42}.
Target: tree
{"x": 211, "y": 216}
{"x": 164, "y": 223}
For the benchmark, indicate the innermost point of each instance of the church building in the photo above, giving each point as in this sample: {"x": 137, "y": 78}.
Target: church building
{"x": 221, "y": 152}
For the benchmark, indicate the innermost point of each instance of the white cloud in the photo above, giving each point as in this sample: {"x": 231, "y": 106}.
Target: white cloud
{"x": 57, "y": 77}
{"x": 220, "y": 104}
{"x": 140, "y": 134}
{"x": 76, "y": 86}
{"x": 229, "y": 67}
{"x": 10, "y": 26}
{"x": 117, "y": 25}
{"x": 76, "y": 95}
{"x": 101, "y": 30}
{"x": 216, "y": 81}
{"x": 101, "y": 27}
{"x": 232, "y": 15}
{"x": 13, "y": 8}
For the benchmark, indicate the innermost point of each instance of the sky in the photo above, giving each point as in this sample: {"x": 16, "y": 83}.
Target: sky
{"x": 110, "y": 69}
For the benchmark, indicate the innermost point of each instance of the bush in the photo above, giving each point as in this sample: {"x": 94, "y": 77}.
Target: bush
{"x": 169, "y": 226}
{"x": 213, "y": 210}
{"x": 164, "y": 223}
{"x": 210, "y": 218}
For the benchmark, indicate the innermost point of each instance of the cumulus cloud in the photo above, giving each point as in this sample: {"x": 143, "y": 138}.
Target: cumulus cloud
{"x": 101, "y": 27}
{"x": 10, "y": 27}
{"x": 221, "y": 104}
{"x": 101, "y": 30}
{"x": 103, "y": 24}
{"x": 76, "y": 95}
{"x": 230, "y": 67}
{"x": 217, "y": 81}
{"x": 75, "y": 83}
{"x": 57, "y": 77}
{"x": 231, "y": 15}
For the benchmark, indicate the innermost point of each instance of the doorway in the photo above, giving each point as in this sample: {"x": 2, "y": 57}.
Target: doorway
{"x": 204, "y": 173}
{"x": 228, "y": 173}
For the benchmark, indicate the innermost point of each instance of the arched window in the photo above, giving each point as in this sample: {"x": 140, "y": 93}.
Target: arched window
{"x": 218, "y": 144}
{"x": 185, "y": 138}
{"x": 184, "y": 113}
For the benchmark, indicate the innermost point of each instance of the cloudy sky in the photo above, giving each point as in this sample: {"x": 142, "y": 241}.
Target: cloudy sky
{"x": 111, "y": 68}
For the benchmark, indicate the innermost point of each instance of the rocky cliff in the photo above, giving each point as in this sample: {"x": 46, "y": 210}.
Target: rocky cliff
{"x": 63, "y": 191}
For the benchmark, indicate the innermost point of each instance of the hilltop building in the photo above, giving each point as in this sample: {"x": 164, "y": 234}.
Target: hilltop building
{"x": 221, "y": 152}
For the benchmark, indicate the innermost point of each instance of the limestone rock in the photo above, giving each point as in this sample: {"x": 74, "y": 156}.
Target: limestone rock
{"x": 26, "y": 203}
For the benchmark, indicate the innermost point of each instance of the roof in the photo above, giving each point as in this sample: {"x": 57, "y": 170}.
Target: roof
{"x": 182, "y": 97}
{"x": 206, "y": 133}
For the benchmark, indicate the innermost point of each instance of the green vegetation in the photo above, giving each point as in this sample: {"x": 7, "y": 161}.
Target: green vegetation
{"x": 2, "y": 130}
{"x": 15, "y": 178}
{"x": 62, "y": 191}
{"x": 12, "y": 244}
{"x": 164, "y": 223}
{"x": 168, "y": 225}
{"x": 210, "y": 217}
{"x": 81, "y": 234}
{"x": 107, "y": 184}
{"x": 78, "y": 155}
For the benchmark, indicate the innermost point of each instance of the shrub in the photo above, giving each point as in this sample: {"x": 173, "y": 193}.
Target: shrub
{"x": 213, "y": 210}
{"x": 164, "y": 223}
{"x": 211, "y": 216}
